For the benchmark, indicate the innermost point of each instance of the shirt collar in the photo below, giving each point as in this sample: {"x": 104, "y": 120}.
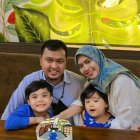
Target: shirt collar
{"x": 66, "y": 77}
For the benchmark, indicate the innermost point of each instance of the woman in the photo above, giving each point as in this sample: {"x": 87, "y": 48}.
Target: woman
{"x": 122, "y": 87}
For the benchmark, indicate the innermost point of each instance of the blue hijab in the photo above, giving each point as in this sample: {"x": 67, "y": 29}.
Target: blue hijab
{"x": 109, "y": 69}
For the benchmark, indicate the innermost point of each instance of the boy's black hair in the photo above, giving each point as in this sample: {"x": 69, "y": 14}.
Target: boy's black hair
{"x": 89, "y": 91}
{"x": 54, "y": 45}
{"x": 36, "y": 85}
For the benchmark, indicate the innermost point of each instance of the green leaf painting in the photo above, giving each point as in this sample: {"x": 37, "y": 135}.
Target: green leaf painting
{"x": 107, "y": 22}
{"x": 11, "y": 29}
{"x": 7, "y": 5}
{"x": 37, "y": 1}
{"x": 88, "y": 21}
{"x": 2, "y": 38}
{"x": 31, "y": 25}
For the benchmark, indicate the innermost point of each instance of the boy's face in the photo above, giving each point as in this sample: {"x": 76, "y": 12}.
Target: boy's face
{"x": 95, "y": 106}
{"x": 40, "y": 100}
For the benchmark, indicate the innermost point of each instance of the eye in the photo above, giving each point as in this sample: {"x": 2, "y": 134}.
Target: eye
{"x": 87, "y": 61}
{"x": 49, "y": 60}
{"x": 96, "y": 100}
{"x": 45, "y": 95}
{"x": 60, "y": 61}
{"x": 34, "y": 97}
{"x": 80, "y": 66}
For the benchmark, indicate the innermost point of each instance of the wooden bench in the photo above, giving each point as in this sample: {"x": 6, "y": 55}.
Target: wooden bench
{"x": 14, "y": 66}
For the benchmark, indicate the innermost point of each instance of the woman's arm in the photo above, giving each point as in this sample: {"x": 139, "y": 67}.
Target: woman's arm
{"x": 124, "y": 102}
{"x": 70, "y": 112}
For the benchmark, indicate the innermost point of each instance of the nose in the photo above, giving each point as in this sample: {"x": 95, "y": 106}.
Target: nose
{"x": 39, "y": 99}
{"x": 54, "y": 65}
{"x": 85, "y": 68}
{"x": 91, "y": 104}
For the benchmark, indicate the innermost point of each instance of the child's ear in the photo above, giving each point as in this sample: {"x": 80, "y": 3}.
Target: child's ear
{"x": 106, "y": 105}
{"x": 28, "y": 101}
{"x": 51, "y": 98}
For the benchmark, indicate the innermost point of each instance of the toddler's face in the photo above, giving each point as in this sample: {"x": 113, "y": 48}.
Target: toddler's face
{"x": 95, "y": 105}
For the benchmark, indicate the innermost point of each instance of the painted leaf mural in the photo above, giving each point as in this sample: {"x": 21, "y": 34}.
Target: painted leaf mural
{"x": 2, "y": 38}
{"x": 98, "y": 21}
{"x": 70, "y": 21}
{"x": 123, "y": 23}
{"x": 7, "y": 4}
{"x": 11, "y": 29}
{"x": 74, "y": 21}
{"x": 31, "y": 25}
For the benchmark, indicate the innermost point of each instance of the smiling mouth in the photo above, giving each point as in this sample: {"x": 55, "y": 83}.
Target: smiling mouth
{"x": 90, "y": 73}
{"x": 53, "y": 72}
{"x": 41, "y": 105}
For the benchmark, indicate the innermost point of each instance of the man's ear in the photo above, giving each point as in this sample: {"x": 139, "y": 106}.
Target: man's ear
{"x": 40, "y": 59}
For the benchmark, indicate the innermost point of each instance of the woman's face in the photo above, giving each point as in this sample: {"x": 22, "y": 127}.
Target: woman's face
{"x": 87, "y": 67}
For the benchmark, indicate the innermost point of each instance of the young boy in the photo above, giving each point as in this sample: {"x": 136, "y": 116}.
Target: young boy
{"x": 96, "y": 112}
{"x": 39, "y": 98}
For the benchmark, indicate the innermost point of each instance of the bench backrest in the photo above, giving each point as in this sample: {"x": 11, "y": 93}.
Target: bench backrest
{"x": 14, "y": 66}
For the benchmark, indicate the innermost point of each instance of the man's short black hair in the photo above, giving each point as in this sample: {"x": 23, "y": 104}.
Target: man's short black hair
{"x": 36, "y": 85}
{"x": 54, "y": 45}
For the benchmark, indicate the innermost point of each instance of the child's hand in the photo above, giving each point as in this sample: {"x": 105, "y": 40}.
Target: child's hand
{"x": 84, "y": 125}
{"x": 39, "y": 119}
{"x": 137, "y": 128}
{"x": 36, "y": 120}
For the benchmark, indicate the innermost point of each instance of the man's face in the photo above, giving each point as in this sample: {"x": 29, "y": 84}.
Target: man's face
{"x": 53, "y": 64}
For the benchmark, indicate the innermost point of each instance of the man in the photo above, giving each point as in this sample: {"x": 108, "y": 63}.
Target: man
{"x": 67, "y": 85}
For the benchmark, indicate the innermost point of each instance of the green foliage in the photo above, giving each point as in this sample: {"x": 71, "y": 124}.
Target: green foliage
{"x": 11, "y": 29}
{"x": 37, "y": 1}
{"x": 31, "y": 25}
{"x": 87, "y": 21}
{"x": 7, "y": 5}
{"x": 76, "y": 21}
{"x": 2, "y": 38}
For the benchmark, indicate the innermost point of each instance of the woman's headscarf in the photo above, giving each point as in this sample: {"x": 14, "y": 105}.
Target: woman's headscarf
{"x": 108, "y": 69}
